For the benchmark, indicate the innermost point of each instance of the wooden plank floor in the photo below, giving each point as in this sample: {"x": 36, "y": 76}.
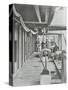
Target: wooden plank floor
{"x": 30, "y": 72}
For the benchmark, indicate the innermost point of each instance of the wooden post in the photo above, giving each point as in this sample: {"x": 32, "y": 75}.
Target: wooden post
{"x": 60, "y": 41}
{"x": 23, "y": 47}
{"x": 15, "y": 47}
{"x": 20, "y": 55}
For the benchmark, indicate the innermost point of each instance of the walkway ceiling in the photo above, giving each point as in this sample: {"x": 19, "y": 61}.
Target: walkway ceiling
{"x": 37, "y": 16}
{"x": 34, "y": 13}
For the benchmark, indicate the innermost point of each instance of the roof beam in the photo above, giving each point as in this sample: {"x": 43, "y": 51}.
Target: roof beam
{"x": 50, "y": 28}
{"x": 46, "y": 15}
{"x": 37, "y": 12}
{"x": 55, "y": 28}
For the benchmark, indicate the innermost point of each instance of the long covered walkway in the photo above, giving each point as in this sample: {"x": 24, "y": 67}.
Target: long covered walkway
{"x": 39, "y": 46}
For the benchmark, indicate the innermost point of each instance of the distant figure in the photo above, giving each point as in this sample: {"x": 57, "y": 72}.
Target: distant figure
{"x": 43, "y": 45}
{"x": 54, "y": 46}
{"x": 47, "y": 43}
